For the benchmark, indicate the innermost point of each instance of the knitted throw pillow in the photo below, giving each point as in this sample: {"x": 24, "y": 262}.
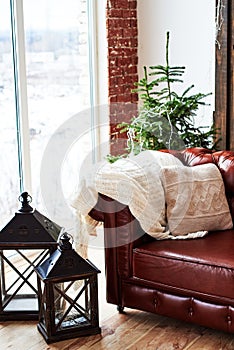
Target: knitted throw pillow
{"x": 195, "y": 199}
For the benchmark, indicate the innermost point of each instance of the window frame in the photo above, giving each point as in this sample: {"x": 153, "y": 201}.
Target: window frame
{"x": 21, "y": 98}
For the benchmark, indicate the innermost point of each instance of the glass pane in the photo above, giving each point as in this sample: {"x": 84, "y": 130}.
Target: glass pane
{"x": 56, "y": 39}
{"x": 9, "y": 175}
{"x": 43, "y": 302}
{"x": 18, "y": 280}
{"x": 72, "y": 305}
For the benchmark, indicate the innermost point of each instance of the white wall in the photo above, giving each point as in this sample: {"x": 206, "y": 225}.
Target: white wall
{"x": 191, "y": 24}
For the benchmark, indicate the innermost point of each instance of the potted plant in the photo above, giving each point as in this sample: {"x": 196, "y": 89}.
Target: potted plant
{"x": 166, "y": 118}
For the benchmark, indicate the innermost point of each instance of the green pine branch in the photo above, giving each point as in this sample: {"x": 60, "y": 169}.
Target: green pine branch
{"x": 167, "y": 119}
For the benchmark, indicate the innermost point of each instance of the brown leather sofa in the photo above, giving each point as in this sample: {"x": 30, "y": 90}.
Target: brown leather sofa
{"x": 191, "y": 280}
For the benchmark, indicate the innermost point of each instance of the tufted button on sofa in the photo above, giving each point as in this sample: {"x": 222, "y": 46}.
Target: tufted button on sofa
{"x": 191, "y": 280}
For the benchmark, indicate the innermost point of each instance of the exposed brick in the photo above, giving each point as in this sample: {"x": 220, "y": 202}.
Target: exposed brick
{"x": 132, "y": 69}
{"x": 116, "y": 23}
{"x": 127, "y": 89}
{"x": 134, "y": 77}
{"x": 113, "y": 62}
{"x": 130, "y": 32}
{"x": 122, "y": 53}
{"x": 134, "y": 97}
{"x": 122, "y": 4}
{"x": 129, "y": 13}
{"x": 122, "y": 66}
{"x": 115, "y": 13}
{"x": 115, "y": 90}
{"x": 122, "y": 61}
{"x": 124, "y": 79}
{"x": 129, "y": 52}
{"x": 118, "y": 147}
{"x": 126, "y": 22}
{"x": 112, "y": 42}
{"x": 112, "y": 4}
{"x": 122, "y": 42}
{"x": 116, "y": 71}
{"x": 132, "y": 4}
{"x": 116, "y": 111}
{"x": 112, "y": 52}
{"x": 113, "y": 99}
{"x": 127, "y": 61}
{"x": 113, "y": 81}
{"x": 135, "y": 60}
{"x": 115, "y": 32}
{"x": 133, "y": 22}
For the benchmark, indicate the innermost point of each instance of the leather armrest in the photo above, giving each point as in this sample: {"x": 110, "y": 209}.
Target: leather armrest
{"x": 122, "y": 233}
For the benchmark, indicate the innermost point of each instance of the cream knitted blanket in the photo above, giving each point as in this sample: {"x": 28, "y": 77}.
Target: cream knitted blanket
{"x": 136, "y": 182}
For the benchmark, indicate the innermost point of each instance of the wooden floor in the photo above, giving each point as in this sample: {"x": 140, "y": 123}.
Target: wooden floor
{"x": 133, "y": 330}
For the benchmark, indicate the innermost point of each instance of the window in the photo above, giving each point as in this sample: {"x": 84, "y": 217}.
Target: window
{"x": 47, "y": 73}
{"x": 9, "y": 174}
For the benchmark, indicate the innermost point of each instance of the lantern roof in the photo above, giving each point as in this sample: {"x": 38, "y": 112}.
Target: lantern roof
{"x": 29, "y": 227}
{"x": 65, "y": 263}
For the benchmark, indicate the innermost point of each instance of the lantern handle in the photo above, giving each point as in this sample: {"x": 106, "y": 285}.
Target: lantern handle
{"x": 64, "y": 241}
{"x": 62, "y": 232}
{"x": 25, "y": 199}
{"x": 72, "y": 239}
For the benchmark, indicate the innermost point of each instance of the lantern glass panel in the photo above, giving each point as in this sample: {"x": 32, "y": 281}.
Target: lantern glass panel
{"x": 72, "y": 304}
{"x": 18, "y": 282}
{"x": 42, "y": 294}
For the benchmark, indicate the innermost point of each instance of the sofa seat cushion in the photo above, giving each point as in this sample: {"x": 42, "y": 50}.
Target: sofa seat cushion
{"x": 204, "y": 265}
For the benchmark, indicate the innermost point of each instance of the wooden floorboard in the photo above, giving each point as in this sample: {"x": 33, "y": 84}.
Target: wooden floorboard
{"x": 134, "y": 330}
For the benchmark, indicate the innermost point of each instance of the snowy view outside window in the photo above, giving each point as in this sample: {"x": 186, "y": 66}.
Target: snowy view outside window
{"x": 57, "y": 80}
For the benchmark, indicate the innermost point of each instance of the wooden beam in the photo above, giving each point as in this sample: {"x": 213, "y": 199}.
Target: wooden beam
{"x": 231, "y": 75}
{"x": 224, "y": 77}
{"x": 221, "y": 86}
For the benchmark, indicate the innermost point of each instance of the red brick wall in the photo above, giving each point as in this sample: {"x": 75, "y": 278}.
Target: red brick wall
{"x": 122, "y": 38}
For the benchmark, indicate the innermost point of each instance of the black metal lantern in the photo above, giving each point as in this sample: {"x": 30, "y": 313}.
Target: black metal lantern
{"x": 68, "y": 295}
{"x": 27, "y": 240}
